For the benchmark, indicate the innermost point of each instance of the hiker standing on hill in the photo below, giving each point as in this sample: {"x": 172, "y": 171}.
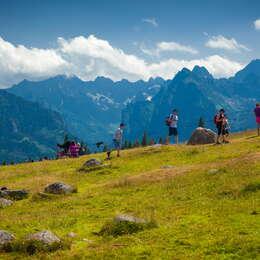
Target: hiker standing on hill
{"x": 221, "y": 122}
{"x": 257, "y": 116}
{"x": 172, "y": 122}
{"x": 117, "y": 140}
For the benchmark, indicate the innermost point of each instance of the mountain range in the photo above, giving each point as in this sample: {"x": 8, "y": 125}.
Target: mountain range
{"x": 196, "y": 94}
{"x": 91, "y": 110}
{"x": 37, "y": 114}
{"x": 27, "y": 131}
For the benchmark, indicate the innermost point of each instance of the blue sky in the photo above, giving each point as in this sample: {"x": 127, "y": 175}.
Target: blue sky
{"x": 125, "y": 39}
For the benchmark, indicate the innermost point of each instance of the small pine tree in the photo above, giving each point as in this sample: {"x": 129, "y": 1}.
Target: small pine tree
{"x": 144, "y": 140}
{"x": 136, "y": 144}
{"x": 201, "y": 122}
{"x": 4, "y": 163}
{"x": 160, "y": 140}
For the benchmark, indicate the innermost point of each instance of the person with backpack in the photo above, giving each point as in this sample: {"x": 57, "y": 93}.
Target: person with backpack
{"x": 221, "y": 122}
{"x": 172, "y": 123}
{"x": 257, "y": 117}
{"x": 117, "y": 140}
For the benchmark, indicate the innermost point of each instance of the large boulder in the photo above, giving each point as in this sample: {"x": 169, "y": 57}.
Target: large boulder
{"x": 202, "y": 136}
{"x": 5, "y": 238}
{"x": 14, "y": 194}
{"x": 5, "y": 203}
{"x": 60, "y": 188}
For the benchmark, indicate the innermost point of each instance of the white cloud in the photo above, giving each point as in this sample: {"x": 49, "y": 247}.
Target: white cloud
{"x": 174, "y": 46}
{"x": 19, "y": 62}
{"x": 89, "y": 57}
{"x": 151, "y": 21}
{"x": 257, "y": 24}
{"x": 166, "y": 47}
{"x": 220, "y": 42}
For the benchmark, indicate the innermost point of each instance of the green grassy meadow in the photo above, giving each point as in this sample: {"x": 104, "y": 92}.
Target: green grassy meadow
{"x": 200, "y": 214}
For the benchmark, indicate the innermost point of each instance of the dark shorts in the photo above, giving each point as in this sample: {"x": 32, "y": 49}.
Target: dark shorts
{"x": 173, "y": 131}
{"x": 117, "y": 144}
{"x": 221, "y": 130}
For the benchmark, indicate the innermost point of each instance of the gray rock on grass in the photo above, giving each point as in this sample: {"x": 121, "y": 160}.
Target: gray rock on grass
{"x": 60, "y": 188}
{"x": 5, "y": 203}
{"x": 129, "y": 218}
{"x": 5, "y": 238}
{"x": 14, "y": 194}
{"x": 202, "y": 136}
{"x": 92, "y": 163}
{"x": 44, "y": 237}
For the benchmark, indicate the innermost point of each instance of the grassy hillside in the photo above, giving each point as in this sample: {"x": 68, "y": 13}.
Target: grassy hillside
{"x": 201, "y": 214}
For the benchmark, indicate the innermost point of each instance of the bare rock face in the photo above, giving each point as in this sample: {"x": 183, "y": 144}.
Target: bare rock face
{"x": 5, "y": 238}
{"x": 202, "y": 136}
{"x": 5, "y": 203}
{"x": 45, "y": 237}
{"x": 13, "y": 194}
{"x": 60, "y": 188}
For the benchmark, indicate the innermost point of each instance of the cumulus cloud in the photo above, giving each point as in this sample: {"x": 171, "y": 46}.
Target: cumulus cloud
{"x": 174, "y": 46}
{"x": 89, "y": 57}
{"x": 220, "y": 42}
{"x": 151, "y": 21}
{"x": 257, "y": 24}
{"x": 19, "y": 62}
{"x": 167, "y": 47}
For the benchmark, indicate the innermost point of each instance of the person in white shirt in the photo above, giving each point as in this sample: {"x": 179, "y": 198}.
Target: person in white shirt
{"x": 118, "y": 137}
{"x": 173, "y": 127}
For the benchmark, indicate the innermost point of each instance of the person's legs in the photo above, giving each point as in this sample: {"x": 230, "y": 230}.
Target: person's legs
{"x": 258, "y": 129}
{"x": 219, "y": 134}
{"x": 175, "y": 133}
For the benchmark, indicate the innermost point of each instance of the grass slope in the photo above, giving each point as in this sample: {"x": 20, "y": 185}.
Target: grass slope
{"x": 200, "y": 215}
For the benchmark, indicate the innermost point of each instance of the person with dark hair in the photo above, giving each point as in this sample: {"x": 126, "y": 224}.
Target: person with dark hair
{"x": 257, "y": 117}
{"x": 221, "y": 124}
{"x": 173, "y": 125}
{"x": 118, "y": 138}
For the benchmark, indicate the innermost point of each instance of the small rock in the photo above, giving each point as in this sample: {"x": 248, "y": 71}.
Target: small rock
{"x": 14, "y": 194}
{"x": 5, "y": 203}
{"x": 59, "y": 188}
{"x": 213, "y": 171}
{"x": 72, "y": 234}
{"x": 92, "y": 163}
{"x": 5, "y": 238}
{"x": 128, "y": 218}
{"x": 45, "y": 237}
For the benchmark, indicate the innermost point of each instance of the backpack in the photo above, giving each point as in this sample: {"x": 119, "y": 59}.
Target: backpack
{"x": 168, "y": 121}
{"x": 215, "y": 119}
